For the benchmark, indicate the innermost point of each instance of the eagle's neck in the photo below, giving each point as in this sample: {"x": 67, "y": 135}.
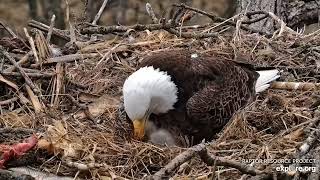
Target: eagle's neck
{"x": 153, "y": 86}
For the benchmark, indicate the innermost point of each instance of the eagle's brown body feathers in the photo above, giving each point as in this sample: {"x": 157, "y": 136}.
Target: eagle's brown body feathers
{"x": 210, "y": 91}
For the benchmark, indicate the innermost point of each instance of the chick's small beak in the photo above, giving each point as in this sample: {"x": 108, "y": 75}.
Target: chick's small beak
{"x": 139, "y": 126}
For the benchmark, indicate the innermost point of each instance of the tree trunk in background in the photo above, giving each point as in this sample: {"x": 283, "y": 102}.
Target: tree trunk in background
{"x": 257, "y": 5}
{"x": 33, "y": 8}
{"x": 296, "y": 13}
{"x": 302, "y": 12}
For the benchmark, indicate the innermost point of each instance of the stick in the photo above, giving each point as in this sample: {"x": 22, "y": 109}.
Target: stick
{"x": 282, "y": 24}
{"x": 210, "y": 160}
{"x": 312, "y": 138}
{"x": 57, "y": 32}
{"x": 295, "y": 86}
{"x": 137, "y": 27}
{"x": 97, "y": 17}
{"x": 33, "y": 47}
{"x": 31, "y": 74}
{"x": 72, "y": 33}
{"x": 59, "y": 84}
{"x": 23, "y": 73}
{"x": 70, "y": 58}
{"x": 22, "y": 61}
{"x": 51, "y": 28}
{"x": 151, "y": 13}
{"x": 8, "y": 101}
{"x": 35, "y": 101}
{"x": 23, "y": 99}
{"x": 8, "y": 30}
{"x": 67, "y": 12}
{"x": 219, "y": 19}
{"x": 307, "y": 144}
{"x": 177, "y": 161}
{"x": 82, "y": 166}
{"x": 220, "y": 161}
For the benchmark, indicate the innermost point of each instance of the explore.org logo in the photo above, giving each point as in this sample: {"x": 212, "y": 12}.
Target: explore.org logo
{"x": 298, "y": 168}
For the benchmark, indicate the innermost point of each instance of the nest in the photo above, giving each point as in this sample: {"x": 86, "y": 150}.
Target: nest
{"x": 73, "y": 102}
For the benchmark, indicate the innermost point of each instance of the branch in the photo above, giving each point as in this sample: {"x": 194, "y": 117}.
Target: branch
{"x": 304, "y": 86}
{"x": 31, "y": 74}
{"x": 220, "y": 161}
{"x": 312, "y": 138}
{"x": 177, "y": 161}
{"x": 304, "y": 149}
{"x": 31, "y": 42}
{"x": 51, "y": 28}
{"x": 230, "y": 22}
{"x": 23, "y": 73}
{"x": 97, "y": 17}
{"x": 8, "y": 101}
{"x": 210, "y": 160}
{"x": 136, "y": 27}
{"x": 151, "y": 13}
{"x": 22, "y": 61}
{"x": 8, "y": 30}
{"x": 57, "y": 32}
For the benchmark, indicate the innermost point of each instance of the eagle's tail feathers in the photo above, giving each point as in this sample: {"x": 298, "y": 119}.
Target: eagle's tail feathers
{"x": 265, "y": 78}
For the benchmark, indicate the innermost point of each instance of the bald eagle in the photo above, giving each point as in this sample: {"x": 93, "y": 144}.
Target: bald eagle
{"x": 193, "y": 94}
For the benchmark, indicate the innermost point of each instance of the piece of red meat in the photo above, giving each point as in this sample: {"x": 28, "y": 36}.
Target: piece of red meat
{"x": 16, "y": 150}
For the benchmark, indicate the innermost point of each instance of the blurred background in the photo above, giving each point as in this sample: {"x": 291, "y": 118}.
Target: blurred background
{"x": 16, "y": 13}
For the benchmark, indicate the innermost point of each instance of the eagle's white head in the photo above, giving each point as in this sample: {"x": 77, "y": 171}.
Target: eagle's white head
{"x": 147, "y": 91}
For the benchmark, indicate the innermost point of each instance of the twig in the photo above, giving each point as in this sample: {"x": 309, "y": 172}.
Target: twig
{"x": 32, "y": 45}
{"x": 136, "y": 27}
{"x": 70, "y": 58}
{"x": 177, "y": 161}
{"x": 67, "y": 11}
{"x": 23, "y": 73}
{"x": 97, "y": 17}
{"x": 58, "y": 84}
{"x": 312, "y": 138}
{"x": 82, "y": 166}
{"x": 8, "y": 130}
{"x": 139, "y": 27}
{"x": 219, "y": 19}
{"x": 151, "y": 13}
{"x": 31, "y": 74}
{"x": 34, "y": 100}
{"x": 66, "y": 58}
{"x": 51, "y": 28}
{"x": 295, "y": 86}
{"x": 8, "y": 101}
{"x": 8, "y": 30}
{"x": 23, "y": 99}
{"x": 57, "y": 32}
{"x": 22, "y": 61}
{"x": 196, "y": 35}
{"x": 210, "y": 160}
{"x": 220, "y": 161}
{"x": 282, "y": 24}
{"x": 305, "y": 147}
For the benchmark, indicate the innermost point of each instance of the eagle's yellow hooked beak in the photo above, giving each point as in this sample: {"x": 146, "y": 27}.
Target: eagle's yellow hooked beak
{"x": 139, "y": 127}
